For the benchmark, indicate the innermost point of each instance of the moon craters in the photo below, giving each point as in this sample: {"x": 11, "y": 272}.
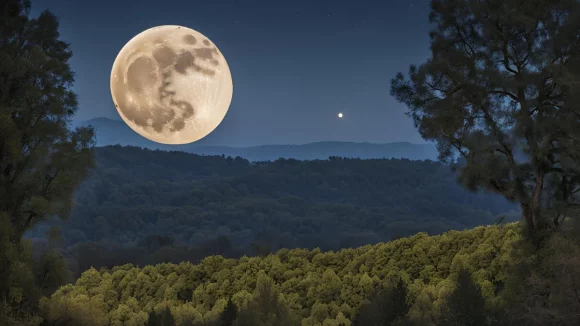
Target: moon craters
{"x": 171, "y": 84}
{"x": 161, "y": 117}
{"x": 140, "y": 74}
{"x": 184, "y": 60}
{"x": 189, "y": 39}
{"x": 164, "y": 55}
{"x": 186, "y": 110}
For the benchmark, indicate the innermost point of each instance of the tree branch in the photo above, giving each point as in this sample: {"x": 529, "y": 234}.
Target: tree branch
{"x": 512, "y": 96}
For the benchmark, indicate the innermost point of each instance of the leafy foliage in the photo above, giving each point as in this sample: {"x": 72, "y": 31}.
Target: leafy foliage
{"x": 386, "y": 307}
{"x": 465, "y": 306}
{"x": 546, "y": 289}
{"x": 502, "y": 80}
{"x": 148, "y": 207}
{"x": 229, "y": 315}
{"x": 266, "y": 307}
{"x": 161, "y": 318}
{"x": 42, "y": 160}
{"x": 318, "y": 287}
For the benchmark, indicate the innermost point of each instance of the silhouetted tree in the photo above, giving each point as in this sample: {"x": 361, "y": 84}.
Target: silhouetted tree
{"x": 501, "y": 89}
{"x": 161, "y": 318}
{"x": 48, "y": 265}
{"x": 400, "y": 304}
{"x": 41, "y": 159}
{"x": 229, "y": 314}
{"x": 386, "y": 307}
{"x": 266, "y": 308}
{"x": 465, "y": 306}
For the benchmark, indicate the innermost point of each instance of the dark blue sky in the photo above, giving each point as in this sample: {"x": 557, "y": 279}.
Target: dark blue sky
{"x": 295, "y": 63}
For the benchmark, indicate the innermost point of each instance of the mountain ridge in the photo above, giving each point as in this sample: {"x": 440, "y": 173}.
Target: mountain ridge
{"x": 116, "y": 132}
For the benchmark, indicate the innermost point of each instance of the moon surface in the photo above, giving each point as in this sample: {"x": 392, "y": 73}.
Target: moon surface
{"x": 171, "y": 85}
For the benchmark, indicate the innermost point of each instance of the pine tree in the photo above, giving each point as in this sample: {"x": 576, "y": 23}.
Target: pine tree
{"x": 266, "y": 307}
{"x": 229, "y": 314}
{"x": 399, "y": 301}
{"x": 465, "y": 305}
{"x": 386, "y": 307}
{"x": 161, "y": 318}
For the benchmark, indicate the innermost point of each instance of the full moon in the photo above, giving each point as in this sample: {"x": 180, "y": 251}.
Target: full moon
{"x": 171, "y": 85}
{"x": 340, "y": 115}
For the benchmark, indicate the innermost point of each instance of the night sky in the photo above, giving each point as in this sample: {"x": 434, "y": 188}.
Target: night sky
{"x": 295, "y": 63}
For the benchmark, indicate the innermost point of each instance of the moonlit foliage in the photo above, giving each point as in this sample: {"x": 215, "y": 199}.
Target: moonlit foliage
{"x": 322, "y": 288}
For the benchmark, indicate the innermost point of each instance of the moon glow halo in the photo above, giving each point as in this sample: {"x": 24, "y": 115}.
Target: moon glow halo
{"x": 171, "y": 85}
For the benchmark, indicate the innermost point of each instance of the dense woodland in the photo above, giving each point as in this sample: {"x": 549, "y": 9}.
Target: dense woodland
{"x": 458, "y": 278}
{"x": 319, "y": 287}
{"x": 137, "y": 202}
{"x": 502, "y": 81}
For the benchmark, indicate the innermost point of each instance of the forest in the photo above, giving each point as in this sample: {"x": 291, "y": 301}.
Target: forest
{"x": 319, "y": 288}
{"x": 145, "y": 207}
{"x": 457, "y": 278}
{"x": 128, "y": 236}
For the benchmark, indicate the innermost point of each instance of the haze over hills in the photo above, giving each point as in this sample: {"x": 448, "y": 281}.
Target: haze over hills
{"x": 116, "y": 132}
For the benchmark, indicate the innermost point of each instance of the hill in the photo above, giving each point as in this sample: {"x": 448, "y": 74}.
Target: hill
{"x": 115, "y": 132}
{"x": 137, "y": 201}
{"x": 320, "y": 288}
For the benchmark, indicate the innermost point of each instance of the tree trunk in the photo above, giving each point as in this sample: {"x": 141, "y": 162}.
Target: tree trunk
{"x": 536, "y": 198}
{"x": 531, "y": 209}
{"x": 528, "y": 216}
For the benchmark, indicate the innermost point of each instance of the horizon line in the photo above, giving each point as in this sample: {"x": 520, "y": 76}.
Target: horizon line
{"x": 262, "y": 145}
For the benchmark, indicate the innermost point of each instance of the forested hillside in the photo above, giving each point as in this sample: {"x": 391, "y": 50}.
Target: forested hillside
{"x": 137, "y": 201}
{"x": 316, "y": 288}
{"x": 500, "y": 90}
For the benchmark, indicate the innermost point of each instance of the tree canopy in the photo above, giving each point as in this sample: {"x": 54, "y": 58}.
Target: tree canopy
{"x": 42, "y": 159}
{"x": 501, "y": 90}
{"x": 417, "y": 274}
{"x": 146, "y": 207}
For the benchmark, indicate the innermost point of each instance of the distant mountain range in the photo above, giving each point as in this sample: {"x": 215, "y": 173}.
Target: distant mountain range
{"x": 115, "y": 132}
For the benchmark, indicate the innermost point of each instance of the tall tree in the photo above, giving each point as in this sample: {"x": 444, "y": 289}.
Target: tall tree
{"x": 266, "y": 307}
{"x": 386, "y": 307}
{"x": 229, "y": 314}
{"x": 501, "y": 90}
{"x": 41, "y": 159}
{"x": 161, "y": 318}
{"x": 465, "y": 305}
